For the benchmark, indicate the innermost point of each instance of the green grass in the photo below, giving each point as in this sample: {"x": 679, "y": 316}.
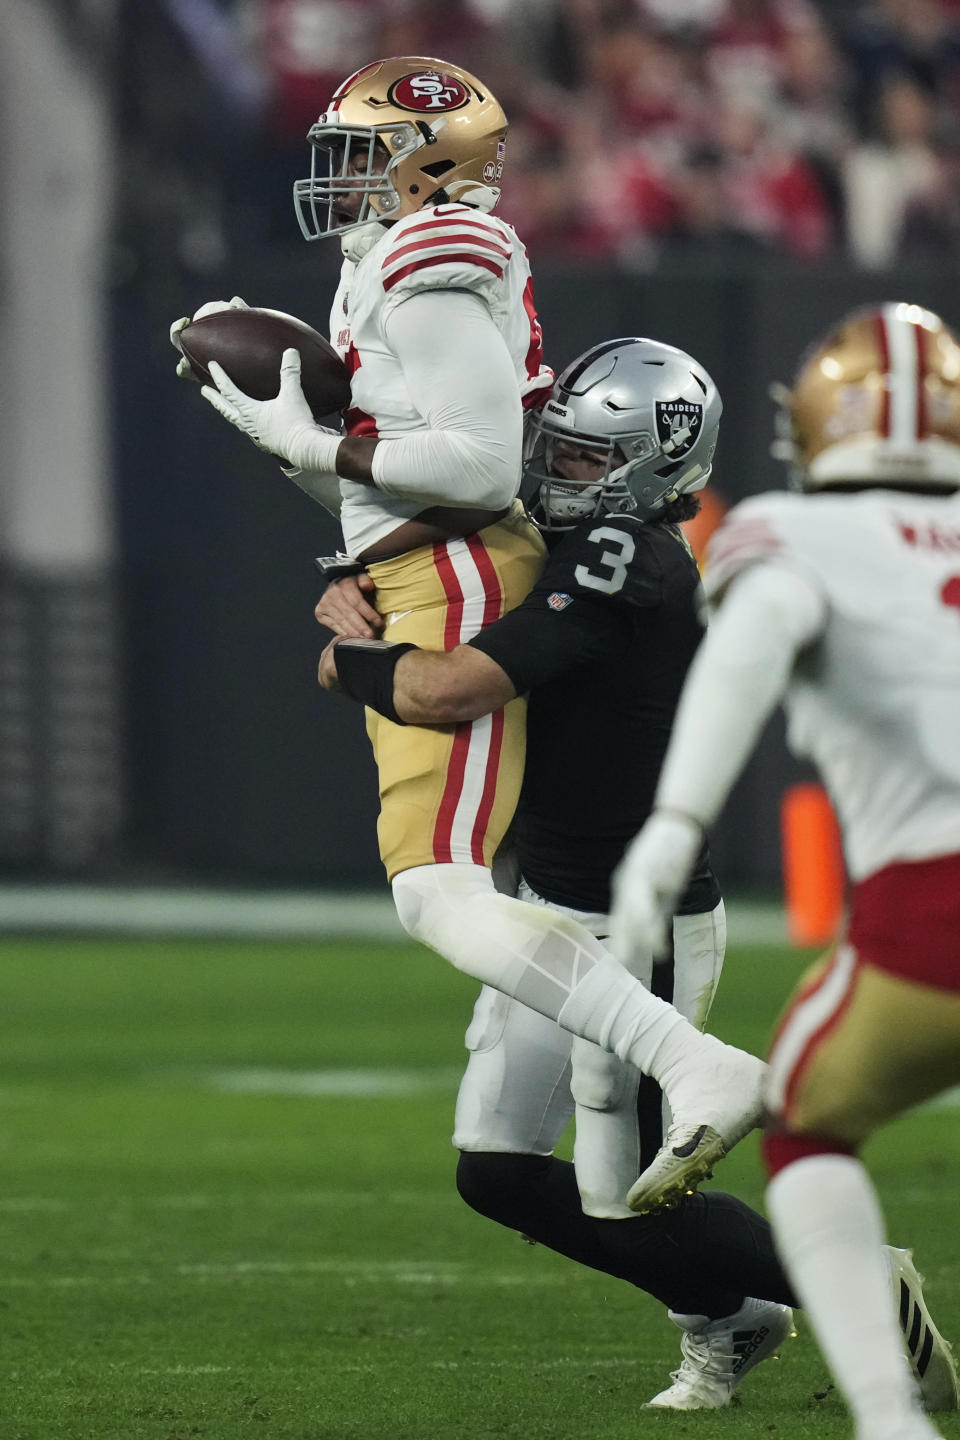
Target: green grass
{"x": 184, "y": 1262}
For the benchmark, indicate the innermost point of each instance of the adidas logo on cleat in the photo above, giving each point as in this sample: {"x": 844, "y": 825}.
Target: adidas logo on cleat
{"x": 918, "y": 1336}
{"x": 745, "y": 1344}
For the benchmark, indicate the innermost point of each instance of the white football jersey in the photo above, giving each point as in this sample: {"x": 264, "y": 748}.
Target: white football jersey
{"x": 442, "y": 247}
{"x": 875, "y": 700}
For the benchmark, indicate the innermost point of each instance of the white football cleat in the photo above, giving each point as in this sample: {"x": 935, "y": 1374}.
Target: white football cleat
{"x": 930, "y": 1355}
{"x": 717, "y": 1354}
{"x": 713, "y": 1108}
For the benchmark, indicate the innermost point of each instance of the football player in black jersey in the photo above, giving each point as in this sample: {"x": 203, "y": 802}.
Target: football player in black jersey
{"x": 601, "y": 646}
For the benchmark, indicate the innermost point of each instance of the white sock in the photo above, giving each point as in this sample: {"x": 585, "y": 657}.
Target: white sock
{"x": 610, "y": 1007}
{"x": 829, "y": 1233}
{"x": 547, "y": 961}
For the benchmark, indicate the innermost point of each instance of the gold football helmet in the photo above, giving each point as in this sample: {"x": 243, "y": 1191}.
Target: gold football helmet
{"x": 876, "y": 402}
{"x": 395, "y": 133}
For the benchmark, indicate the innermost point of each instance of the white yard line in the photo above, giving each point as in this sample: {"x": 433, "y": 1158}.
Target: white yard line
{"x": 350, "y": 1273}
{"x": 256, "y": 1080}
{"x": 305, "y": 915}
{"x": 236, "y": 1199}
{"x": 92, "y": 909}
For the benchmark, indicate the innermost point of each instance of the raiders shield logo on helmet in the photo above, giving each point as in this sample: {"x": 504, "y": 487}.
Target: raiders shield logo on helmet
{"x": 678, "y": 420}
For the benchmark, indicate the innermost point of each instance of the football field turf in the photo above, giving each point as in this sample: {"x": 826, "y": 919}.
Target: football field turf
{"x": 228, "y": 1210}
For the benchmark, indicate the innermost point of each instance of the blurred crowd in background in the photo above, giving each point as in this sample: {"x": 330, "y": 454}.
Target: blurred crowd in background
{"x": 643, "y": 132}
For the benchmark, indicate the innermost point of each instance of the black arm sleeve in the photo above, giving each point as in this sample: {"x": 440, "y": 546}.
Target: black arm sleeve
{"x": 365, "y": 671}
{"x": 535, "y": 643}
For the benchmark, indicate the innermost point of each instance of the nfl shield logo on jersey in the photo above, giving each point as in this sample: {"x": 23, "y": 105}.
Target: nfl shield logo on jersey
{"x": 676, "y": 416}
{"x": 559, "y": 601}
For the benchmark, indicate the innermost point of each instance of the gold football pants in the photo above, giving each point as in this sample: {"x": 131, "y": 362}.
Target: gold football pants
{"x": 448, "y": 793}
{"x": 859, "y": 1045}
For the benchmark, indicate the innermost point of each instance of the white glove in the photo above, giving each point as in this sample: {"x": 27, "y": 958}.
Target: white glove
{"x": 285, "y": 425}
{"x": 212, "y": 307}
{"x": 648, "y": 883}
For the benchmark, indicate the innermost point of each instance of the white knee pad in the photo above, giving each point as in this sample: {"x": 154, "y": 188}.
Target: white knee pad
{"x": 515, "y": 1093}
{"x": 606, "y": 1148}
{"x": 599, "y": 1080}
{"x": 699, "y": 943}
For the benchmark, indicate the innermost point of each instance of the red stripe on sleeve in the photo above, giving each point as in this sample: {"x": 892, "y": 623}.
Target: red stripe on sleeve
{"x": 480, "y": 260}
{"x": 464, "y": 219}
{"x": 433, "y": 242}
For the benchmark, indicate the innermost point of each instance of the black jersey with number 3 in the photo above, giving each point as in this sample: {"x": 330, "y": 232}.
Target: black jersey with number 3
{"x": 602, "y": 643}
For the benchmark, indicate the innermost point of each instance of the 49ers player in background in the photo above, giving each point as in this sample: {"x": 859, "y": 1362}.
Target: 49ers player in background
{"x": 846, "y": 604}
{"x": 434, "y": 316}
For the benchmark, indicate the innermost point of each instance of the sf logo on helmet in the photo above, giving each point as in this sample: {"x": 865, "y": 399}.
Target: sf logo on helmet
{"x": 429, "y": 91}
{"x": 679, "y": 421}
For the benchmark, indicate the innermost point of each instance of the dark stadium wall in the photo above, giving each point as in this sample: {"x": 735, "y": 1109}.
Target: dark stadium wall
{"x": 237, "y": 765}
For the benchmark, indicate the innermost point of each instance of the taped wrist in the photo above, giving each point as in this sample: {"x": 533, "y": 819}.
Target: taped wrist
{"x": 365, "y": 671}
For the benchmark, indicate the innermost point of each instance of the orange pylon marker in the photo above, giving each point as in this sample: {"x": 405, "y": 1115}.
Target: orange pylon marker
{"x": 814, "y": 877}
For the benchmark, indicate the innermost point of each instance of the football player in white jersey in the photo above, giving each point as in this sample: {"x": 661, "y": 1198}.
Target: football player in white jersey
{"x": 434, "y": 316}
{"x": 844, "y": 603}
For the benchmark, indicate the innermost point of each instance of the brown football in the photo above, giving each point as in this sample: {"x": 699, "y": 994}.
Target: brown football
{"x": 249, "y": 345}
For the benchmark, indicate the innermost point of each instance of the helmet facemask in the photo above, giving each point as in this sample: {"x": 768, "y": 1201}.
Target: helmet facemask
{"x": 558, "y": 501}
{"x": 351, "y": 160}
